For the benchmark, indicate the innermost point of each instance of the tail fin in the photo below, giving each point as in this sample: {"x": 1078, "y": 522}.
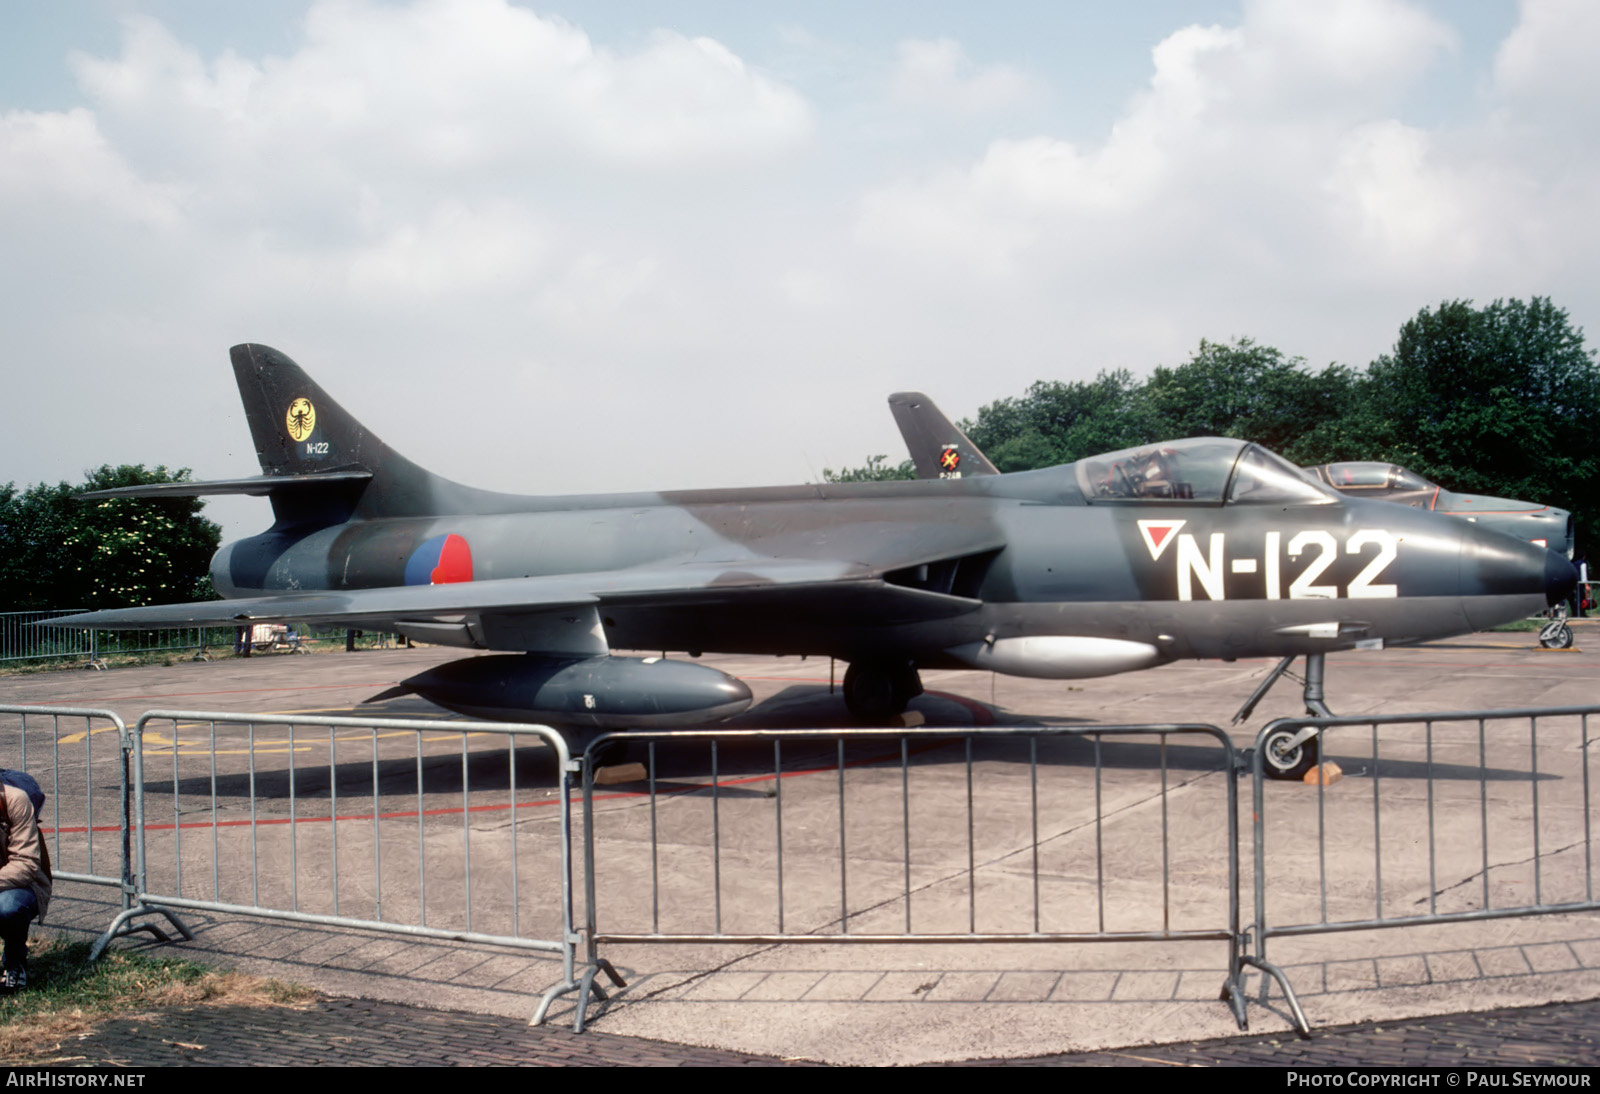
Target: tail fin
{"x": 302, "y": 434}
{"x": 320, "y": 466}
{"x": 938, "y": 449}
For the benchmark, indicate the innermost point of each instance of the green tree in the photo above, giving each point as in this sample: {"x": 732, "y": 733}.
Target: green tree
{"x": 1058, "y": 422}
{"x": 1252, "y": 392}
{"x": 877, "y": 469}
{"x": 1495, "y": 400}
{"x": 57, "y": 552}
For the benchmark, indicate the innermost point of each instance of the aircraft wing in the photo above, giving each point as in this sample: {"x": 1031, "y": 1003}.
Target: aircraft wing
{"x": 826, "y": 586}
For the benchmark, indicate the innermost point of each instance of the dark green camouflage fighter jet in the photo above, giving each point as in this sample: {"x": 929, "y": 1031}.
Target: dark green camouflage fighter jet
{"x": 1200, "y": 548}
{"x": 939, "y": 450}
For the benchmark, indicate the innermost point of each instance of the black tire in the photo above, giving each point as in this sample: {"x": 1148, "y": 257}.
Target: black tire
{"x": 907, "y": 685}
{"x": 1559, "y": 639}
{"x": 1293, "y": 764}
{"x": 876, "y": 692}
{"x": 611, "y": 754}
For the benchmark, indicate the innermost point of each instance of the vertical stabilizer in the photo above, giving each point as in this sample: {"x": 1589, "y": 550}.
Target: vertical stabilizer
{"x": 938, "y": 449}
{"x": 298, "y": 429}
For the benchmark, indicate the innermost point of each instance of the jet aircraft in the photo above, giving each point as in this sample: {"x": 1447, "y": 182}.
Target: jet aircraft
{"x": 938, "y": 448}
{"x": 1200, "y": 548}
{"x": 1542, "y": 524}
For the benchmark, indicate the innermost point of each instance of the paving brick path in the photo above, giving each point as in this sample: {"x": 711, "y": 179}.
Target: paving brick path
{"x": 362, "y": 1032}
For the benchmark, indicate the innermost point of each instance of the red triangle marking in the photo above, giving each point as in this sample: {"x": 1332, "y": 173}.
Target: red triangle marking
{"x": 1157, "y": 533}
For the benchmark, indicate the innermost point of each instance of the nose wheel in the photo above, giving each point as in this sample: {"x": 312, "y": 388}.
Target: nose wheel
{"x": 1556, "y": 634}
{"x": 1282, "y": 755}
{"x": 1283, "y": 759}
{"x": 875, "y": 691}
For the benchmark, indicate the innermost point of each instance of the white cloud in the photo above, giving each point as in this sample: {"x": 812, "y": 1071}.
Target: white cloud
{"x": 1405, "y": 208}
{"x": 62, "y": 161}
{"x": 1270, "y": 150}
{"x": 413, "y": 184}
{"x": 566, "y": 256}
{"x": 449, "y": 86}
{"x": 939, "y": 73}
{"x": 1552, "y": 58}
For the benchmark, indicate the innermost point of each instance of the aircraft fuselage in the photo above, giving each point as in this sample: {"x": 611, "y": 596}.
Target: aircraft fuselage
{"x": 1187, "y": 580}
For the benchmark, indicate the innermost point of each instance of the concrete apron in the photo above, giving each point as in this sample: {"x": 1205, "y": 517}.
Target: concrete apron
{"x": 916, "y": 1003}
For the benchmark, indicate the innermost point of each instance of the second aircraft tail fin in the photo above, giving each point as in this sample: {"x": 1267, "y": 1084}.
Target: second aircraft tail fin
{"x": 938, "y": 449}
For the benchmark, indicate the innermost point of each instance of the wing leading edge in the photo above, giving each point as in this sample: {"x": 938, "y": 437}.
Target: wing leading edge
{"x": 835, "y": 586}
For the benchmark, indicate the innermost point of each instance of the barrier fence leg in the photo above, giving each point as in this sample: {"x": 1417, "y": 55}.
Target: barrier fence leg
{"x": 1258, "y": 777}
{"x": 124, "y": 925}
{"x": 1300, "y": 1024}
{"x": 1233, "y": 989}
{"x": 132, "y": 824}
{"x": 584, "y": 986}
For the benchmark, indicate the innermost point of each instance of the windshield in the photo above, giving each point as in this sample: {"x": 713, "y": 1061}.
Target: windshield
{"x": 1265, "y": 478}
{"x": 1194, "y": 470}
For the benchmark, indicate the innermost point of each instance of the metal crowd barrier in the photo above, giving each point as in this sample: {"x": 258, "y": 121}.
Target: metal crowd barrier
{"x": 1015, "y": 834}
{"x": 978, "y": 856}
{"x": 356, "y": 822}
{"x": 27, "y": 636}
{"x": 87, "y": 834}
{"x": 199, "y": 639}
{"x": 1465, "y": 815}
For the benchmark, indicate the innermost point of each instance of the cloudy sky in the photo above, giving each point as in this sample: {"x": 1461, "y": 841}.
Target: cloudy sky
{"x": 594, "y": 246}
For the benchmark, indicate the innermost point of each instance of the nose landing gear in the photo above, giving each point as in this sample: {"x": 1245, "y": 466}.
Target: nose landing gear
{"x": 1556, "y": 634}
{"x": 1285, "y": 753}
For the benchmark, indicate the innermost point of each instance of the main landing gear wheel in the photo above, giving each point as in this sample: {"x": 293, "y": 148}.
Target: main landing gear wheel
{"x": 1280, "y": 761}
{"x": 876, "y": 691}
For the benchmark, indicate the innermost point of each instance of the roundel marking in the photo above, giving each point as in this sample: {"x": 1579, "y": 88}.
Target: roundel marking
{"x": 301, "y": 419}
{"x": 440, "y": 561}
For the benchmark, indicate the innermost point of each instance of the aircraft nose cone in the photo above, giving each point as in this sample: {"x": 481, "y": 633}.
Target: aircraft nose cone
{"x": 1560, "y": 578}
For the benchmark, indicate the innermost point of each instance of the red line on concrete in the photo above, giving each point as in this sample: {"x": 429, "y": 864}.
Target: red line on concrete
{"x": 457, "y": 811}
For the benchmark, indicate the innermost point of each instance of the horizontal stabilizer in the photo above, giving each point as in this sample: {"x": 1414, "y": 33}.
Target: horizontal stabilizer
{"x": 256, "y": 486}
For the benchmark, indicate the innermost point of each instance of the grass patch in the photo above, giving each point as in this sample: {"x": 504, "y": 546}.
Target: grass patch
{"x": 67, "y": 996}
{"x": 1521, "y": 626}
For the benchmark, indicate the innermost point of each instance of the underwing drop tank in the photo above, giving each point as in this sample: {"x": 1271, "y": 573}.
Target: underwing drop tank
{"x": 592, "y": 692}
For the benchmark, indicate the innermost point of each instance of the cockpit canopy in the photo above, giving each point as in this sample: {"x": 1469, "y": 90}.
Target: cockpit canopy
{"x": 1369, "y": 479}
{"x": 1200, "y": 471}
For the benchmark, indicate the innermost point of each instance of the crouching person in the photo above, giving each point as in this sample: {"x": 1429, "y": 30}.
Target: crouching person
{"x": 25, "y": 883}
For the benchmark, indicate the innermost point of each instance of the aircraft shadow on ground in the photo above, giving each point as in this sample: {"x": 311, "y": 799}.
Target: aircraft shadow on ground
{"x": 686, "y": 767}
